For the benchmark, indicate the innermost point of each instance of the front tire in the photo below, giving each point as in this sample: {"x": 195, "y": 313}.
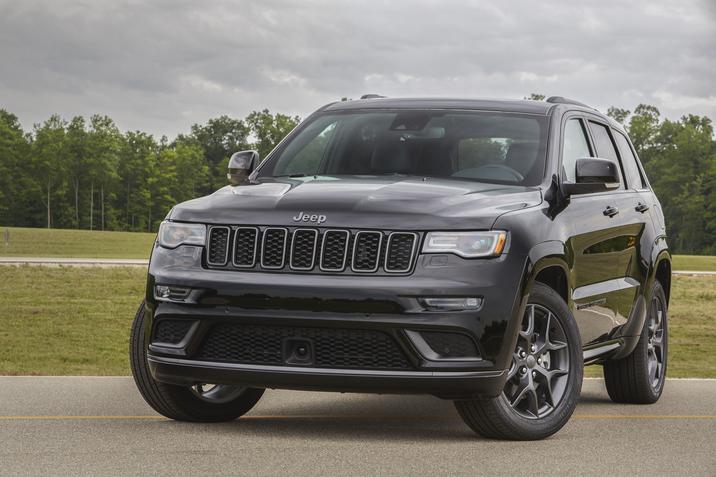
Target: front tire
{"x": 639, "y": 378}
{"x": 544, "y": 380}
{"x": 198, "y": 403}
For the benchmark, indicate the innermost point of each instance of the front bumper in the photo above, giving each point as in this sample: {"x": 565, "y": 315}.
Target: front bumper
{"x": 381, "y": 304}
{"x": 447, "y": 384}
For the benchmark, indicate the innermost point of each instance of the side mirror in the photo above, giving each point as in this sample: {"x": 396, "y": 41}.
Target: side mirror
{"x": 593, "y": 175}
{"x": 242, "y": 164}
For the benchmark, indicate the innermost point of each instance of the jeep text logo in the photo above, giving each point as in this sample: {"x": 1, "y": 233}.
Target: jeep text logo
{"x": 301, "y": 217}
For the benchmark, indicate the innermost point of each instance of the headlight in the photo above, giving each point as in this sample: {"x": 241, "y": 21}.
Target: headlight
{"x": 466, "y": 244}
{"x": 173, "y": 234}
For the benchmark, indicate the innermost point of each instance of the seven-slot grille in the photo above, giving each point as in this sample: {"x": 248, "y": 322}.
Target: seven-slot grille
{"x": 311, "y": 249}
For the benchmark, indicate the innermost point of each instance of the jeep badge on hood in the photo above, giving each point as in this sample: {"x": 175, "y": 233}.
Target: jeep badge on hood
{"x": 301, "y": 217}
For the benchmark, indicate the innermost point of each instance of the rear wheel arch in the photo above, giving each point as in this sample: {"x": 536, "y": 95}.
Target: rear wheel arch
{"x": 663, "y": 275}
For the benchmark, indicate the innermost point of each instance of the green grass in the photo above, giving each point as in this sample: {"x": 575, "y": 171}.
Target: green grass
{"x": 694, "y": 263}
{"x": 75, "y": 321}
{"x": 26, "y": 242}
{"x": 66, "y": 320}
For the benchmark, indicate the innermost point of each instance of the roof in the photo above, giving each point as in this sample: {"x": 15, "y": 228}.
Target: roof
{"x": 507, "y": 105}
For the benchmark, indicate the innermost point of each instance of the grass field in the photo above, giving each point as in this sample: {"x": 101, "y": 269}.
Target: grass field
{"x": 75, "y": 321}
{"x": 25, "y": 242}
{"x": 694, "y": 263}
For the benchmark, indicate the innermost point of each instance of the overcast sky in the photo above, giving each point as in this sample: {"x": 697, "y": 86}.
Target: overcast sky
{"x": 160, "y": 66}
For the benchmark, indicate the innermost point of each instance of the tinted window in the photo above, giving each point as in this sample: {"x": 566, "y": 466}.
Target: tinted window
{"x": 603, "y": 143}
{"x": 306, "y": 155}
{"x": 631, "y": 169}
{"x": 482, "y": 146}
{"x": 575, "y": 147}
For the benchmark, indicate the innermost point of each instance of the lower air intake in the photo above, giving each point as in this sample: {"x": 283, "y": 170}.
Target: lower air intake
{"x": 332, "y": 348}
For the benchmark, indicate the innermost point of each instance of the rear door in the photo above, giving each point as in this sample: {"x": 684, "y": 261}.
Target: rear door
{"x": 605, "y": 231}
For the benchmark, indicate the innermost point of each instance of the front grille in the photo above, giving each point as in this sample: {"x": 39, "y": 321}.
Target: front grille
{"x": 218, "y": 245}
{"x": 303, "y": 249}
{"x": 332, "y": 348}
{"x": 274, "y": 248}
{"x": 311, "y": 250}
{"x": 335, "y": 250}
{"x": 366, "y": 251}
{"x": 401, "y": 247}
{"x": 245, "y": 246}
{"x": 171, "y": 331}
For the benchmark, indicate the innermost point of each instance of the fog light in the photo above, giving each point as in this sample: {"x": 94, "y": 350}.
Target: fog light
{"x": 451, "y": 304}
{"x": 169, "y": 292}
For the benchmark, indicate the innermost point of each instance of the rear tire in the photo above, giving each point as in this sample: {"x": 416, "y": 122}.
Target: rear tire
{"x": 196, "y": 403}
{"x": 544, "y": 380}
{"x": 639, "y": 377}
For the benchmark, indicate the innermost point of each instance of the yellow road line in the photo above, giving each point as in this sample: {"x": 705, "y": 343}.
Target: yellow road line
{"x": 604, "y": 417}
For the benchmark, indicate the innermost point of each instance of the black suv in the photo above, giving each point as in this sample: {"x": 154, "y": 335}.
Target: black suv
{"x": 480, "y": 251}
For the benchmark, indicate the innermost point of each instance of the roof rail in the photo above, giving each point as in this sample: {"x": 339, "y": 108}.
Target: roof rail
{"x": 563, "y": 100}
{"x": 371, "y": 96}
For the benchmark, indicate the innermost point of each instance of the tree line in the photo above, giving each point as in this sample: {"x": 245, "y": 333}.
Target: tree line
{"x": 86, "y": 173}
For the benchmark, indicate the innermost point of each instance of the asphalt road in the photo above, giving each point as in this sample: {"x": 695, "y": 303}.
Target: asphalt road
{"x": 100, "y": 425}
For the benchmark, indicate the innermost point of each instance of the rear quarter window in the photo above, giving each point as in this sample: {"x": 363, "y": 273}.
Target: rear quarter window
{"x": 634, "y": 178}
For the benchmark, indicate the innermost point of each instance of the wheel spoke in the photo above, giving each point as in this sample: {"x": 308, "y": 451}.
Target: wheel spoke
{"x": 533, "y": 401}
{"x": 530, "y": 317}
{"x": 651, "y": 367}
{"x": 520, "y": 396}
{"x": 546, "y": 382}
{"x": 513, "y": 370}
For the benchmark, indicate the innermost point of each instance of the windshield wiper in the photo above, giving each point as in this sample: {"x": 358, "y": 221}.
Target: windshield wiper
{"x": 298, "y": 174}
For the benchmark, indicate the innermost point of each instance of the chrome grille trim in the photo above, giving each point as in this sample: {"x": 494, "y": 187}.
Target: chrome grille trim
{"x": 345, "y": 250}
{"x": 256, "y": 246}
{"x": 355, "y": 249}
{"x": 228, "y": 243}
{"x": 412, "y": 252}
{"x": 293, "y": 247}
{"x": 283, "y": 249}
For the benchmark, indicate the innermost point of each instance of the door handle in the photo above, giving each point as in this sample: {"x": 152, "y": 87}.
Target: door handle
{"x": 610, "y": 211}
{"x": 641, "y": 207}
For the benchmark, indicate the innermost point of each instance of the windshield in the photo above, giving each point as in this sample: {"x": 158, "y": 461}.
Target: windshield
{"x": 503, "y": 148}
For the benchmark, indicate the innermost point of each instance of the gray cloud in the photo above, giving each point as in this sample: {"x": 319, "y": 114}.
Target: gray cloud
{"x": 161, "y": 66}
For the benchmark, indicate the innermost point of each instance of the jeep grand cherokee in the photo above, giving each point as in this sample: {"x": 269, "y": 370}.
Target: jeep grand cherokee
{"x": 480, "y": 251}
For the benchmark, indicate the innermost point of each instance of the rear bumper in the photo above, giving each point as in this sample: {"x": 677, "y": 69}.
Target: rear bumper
{"x": 458, "y": 384}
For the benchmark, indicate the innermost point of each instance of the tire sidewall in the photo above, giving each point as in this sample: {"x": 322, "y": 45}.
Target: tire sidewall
{"x": 658, "y": 293}
{"x": 543, "y": 427}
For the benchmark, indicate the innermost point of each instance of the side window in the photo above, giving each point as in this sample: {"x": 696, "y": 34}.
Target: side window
{"x": 575, "y": 147}
{"x": 634, "y": 178}
{"x": 604, "y": 144}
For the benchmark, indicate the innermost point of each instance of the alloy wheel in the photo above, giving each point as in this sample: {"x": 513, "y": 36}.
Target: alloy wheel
{"x": 217, "y": 393}
{"x": 655, "y": 343}
{"x": 538, "y": 375}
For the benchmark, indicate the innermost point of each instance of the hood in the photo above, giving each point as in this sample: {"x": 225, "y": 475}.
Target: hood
{"x": 391, "y": 202}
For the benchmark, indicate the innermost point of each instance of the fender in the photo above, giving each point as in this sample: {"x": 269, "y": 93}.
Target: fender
{"x": 551, "y": 253}
{"x": 631, "y": 331}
